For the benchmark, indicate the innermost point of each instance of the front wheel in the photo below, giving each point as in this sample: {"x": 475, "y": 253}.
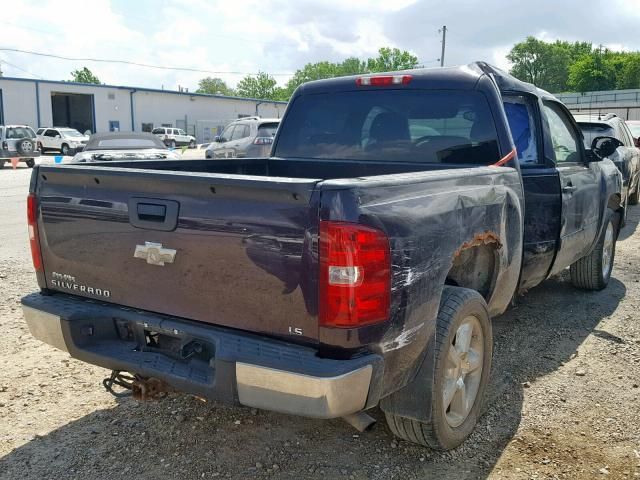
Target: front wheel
{"x": 2, "y": 164}
{"x": 593, "y": 272}
{"x": 64, "y": 149}
{"x": 192, "y": 144}
{"x": 173, "y": 144}
{"x": 464, "y": 346}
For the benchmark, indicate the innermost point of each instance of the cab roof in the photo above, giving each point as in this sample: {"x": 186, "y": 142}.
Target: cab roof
{"x": 464, "y": 77}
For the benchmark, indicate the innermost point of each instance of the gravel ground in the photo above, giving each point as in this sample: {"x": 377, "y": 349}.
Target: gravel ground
{"x": 563, "y": 401}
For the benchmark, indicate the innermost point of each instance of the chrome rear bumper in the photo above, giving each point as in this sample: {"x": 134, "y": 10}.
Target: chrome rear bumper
{"x": 242, "y": 368}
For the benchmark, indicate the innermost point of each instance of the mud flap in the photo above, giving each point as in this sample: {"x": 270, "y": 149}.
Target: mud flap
{"x": 414, "y": 399}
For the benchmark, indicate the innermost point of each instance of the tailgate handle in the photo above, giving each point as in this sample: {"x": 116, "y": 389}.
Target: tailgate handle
{"x": 153, "y": 213}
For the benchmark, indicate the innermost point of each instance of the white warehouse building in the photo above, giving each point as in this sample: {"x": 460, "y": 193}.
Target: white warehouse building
{"x": 103, "y": 108}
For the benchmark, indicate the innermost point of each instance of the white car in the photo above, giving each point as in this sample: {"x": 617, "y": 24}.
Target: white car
{"x": 67, "y": 141}
{"x": 174, "y": 137}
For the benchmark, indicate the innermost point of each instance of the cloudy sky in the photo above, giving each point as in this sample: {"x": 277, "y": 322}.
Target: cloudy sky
{"x": 279, "y": 36}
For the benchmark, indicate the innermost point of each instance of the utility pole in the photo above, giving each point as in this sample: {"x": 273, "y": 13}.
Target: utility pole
{"x": 444, "y": 41}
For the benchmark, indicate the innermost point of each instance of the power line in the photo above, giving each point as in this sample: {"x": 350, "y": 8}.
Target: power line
{"x": 21, "y": 69}
{"x": 127, "y": 62}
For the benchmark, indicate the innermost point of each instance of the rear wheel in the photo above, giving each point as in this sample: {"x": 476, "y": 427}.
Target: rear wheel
{"x": 593, "y": 272}
{"x": 464, "y": 347}
{"x": 192, "y": 144}
{"x": 64, "y": 149}
{"x": 173, "y": 144}
{"x": 2, "y": 163}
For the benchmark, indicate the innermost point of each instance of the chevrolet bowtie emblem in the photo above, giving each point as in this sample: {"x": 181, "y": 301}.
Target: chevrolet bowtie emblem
{"x": 154, "y": 254}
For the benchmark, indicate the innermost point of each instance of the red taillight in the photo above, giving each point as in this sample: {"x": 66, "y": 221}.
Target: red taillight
{"x": 355, "y": 275}
{"x": 34, "y": 239}
{"x": 263, "y": 141}
{"x": 383, "y": 80}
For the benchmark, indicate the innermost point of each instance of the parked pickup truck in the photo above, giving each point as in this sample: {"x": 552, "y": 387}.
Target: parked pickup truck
{"x": 358, "y": 266}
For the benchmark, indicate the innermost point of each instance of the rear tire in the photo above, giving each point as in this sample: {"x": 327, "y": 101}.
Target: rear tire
{"x": 192, "y": 144}
{"x": 463, "y": 320}
{"x": 64, "y": 149}
{"x": 2, "y": 162}
{"x": 173, "y": 144}
{"x": 593, "y": 272}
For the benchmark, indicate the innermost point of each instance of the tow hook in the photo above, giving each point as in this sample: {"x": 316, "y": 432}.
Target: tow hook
{"x": 139, "y": 387}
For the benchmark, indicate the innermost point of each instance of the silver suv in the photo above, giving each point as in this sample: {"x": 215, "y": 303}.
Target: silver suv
{"x": 18, "y": 141}
{"x": 249, "y": 137}
{"x": 173, "y": 137}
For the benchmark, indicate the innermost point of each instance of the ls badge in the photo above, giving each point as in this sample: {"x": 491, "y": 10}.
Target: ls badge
{"x": 154, "y": 254}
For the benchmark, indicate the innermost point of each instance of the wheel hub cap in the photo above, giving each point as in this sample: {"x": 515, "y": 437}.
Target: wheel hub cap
{"x": 463, "y": 371}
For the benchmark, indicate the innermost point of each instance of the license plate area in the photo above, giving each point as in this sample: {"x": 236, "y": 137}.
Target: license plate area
{"x": 171, "y": 343}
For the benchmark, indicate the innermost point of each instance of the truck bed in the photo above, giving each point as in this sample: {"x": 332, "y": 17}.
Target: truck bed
{"x": 279, "y": 167}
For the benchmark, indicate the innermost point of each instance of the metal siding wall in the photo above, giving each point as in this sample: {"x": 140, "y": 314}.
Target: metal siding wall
{"x": 148, "y": 107}
{"x": 19, "y": 102}
{"x": 159, "y": 108}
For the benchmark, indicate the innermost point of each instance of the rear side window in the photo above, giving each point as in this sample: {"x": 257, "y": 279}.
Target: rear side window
{"x": 419, "y": 126}
{"x": 241, "y": 131}
{"x": 20, "y": 132}
{"x": 158, "y": 131}
{"x": 593, "y": 130}
{"x": 634, "y": 128}
{"x": 267, "y": 129}
{"x": 522, "y": 124}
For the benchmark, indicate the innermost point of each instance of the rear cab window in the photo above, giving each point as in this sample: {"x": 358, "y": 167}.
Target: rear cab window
{"x": 267, "y": 129}
{"x": 417, "y": 126}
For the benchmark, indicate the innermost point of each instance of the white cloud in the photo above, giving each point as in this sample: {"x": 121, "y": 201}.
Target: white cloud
{"x": 279, "y": 36}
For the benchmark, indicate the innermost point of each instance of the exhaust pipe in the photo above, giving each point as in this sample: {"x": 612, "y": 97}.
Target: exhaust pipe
{"x": 361, "y": 421}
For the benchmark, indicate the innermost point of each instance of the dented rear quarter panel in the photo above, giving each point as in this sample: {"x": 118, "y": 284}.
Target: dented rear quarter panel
{"x": 430, "y": 217}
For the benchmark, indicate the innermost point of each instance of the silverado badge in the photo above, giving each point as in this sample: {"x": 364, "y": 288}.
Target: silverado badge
{"x": 154, "y": 254}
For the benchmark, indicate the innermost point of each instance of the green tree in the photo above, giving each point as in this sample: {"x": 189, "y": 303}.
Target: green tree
{"x": 214, "y": 86}
{"x": 391, "y": 59}
{"x": 595, "y": 71}
{"x": 388, "y": 59}
{"x": 84, "y": 76}
{"x": 262, "y": 86}
{"x": 546, "y": 65}
{"x": 629, "y": 74}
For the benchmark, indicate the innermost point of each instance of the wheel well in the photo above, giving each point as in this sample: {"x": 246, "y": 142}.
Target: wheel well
{"x": 615, "y": 204}
{"x": 475, "y": 264}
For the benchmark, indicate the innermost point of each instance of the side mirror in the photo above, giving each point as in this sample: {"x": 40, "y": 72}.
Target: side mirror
{"x": 603, "y": 147}
{"x": 58, "y": 136}
{"x": 217, "y": 138}
{"x": 636, "y": 142}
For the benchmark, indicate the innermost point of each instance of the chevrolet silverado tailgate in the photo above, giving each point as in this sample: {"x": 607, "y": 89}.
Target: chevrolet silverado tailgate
{"x": 222, "y": 249}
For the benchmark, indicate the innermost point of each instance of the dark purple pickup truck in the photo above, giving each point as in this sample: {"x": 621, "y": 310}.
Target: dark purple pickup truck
{"x": 358, "y": 266}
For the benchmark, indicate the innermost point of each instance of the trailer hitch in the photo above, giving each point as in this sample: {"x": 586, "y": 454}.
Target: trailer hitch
{"x": 135, "y": 385}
